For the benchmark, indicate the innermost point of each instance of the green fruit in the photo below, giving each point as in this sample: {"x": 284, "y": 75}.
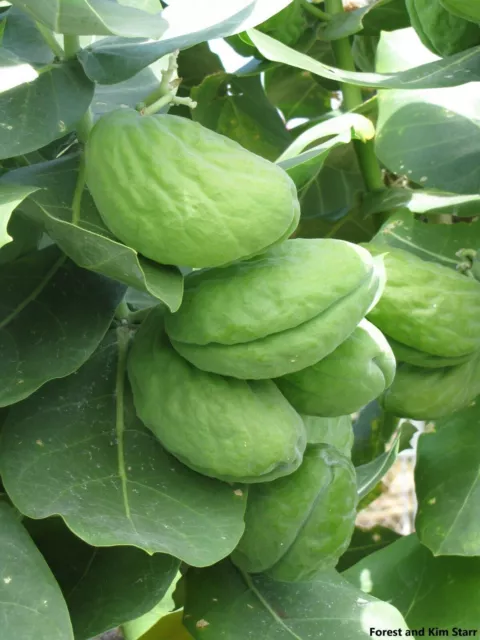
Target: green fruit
{"x": 181, "y": 194}
{"x": 279, "y": 312}
{"x": 357, "y": 372}
{"x": 427, "y": 306}
{"x": 337, "y": 432}
{"x": 302, "y": 524}
{"x": 442, "y": 32}
{"x": 428, "y": 394}
{"x": 467, "y": 9}
{"x": 224, "y": 428}
{"x": 422, "y": 359}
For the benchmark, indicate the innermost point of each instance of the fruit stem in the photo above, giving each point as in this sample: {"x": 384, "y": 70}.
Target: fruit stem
{"x": 315, "y": 11}
{"x": 352, "y": 99}
{"x": 50, "y": 39}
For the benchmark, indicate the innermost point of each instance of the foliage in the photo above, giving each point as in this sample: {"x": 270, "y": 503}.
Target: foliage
{"x": 194, "y": 406}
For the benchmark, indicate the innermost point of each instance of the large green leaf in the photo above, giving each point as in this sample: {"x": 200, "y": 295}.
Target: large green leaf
{"x": 25, "y": 238}
{"x": 447, "y": 480}
{"x": 364, "y": 542}
{"x": 21, "y": 37}
{"x": 222, "y": 603}
{"x": 468, "y": 9}
{"x": 448, "y": 72}
{"x": 10, "y": 197}
{"x": 372, "y": 429}
{"x": 96, "y": 17}
{"x": 435, "y": 242}
{"x": 53, "y": 317}
{"x": 41, "y": 107}
{"x": 89, "y": 243}
{"x": 103, "y": 588}
{"x": 239, "y": 109}
{"x": 77, "y": 449}
{"x": 430, "y": 136}
{"x": 430, "y": 592}
{"x": 189, "y": 23}
{"x": 31, "y": 603}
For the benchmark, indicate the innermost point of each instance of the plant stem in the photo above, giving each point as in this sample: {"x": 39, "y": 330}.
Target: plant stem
{"x": 315, "y": 11}
{"x": 71, "y": 46}
{"x": 123, "y": 311}
{"x": 50, "y": 39}
{"x": 352, "y": 99}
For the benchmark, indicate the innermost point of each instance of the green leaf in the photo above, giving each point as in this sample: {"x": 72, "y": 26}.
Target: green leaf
{"x": 95, "y": 17}
{"x": 388, "y": 15}
{"x": 365, "y": 542}
{"x": 372, "y": 429}
{"x": 448, "y": 72}
{"x": 432, "y": 137}
{"x": 89, "y": 244}
{"x": 371, "y": 473}
{"x": 434, "y": 242}
{"x": 43, "y": 108}
{"x": 77, "y": 449}
{"x": 189, "y": 23}
{"x": 103, "y": 587}
{"x": 222, "y": 603}
{"x": 170, "y": 627}
{"x": 31, "y": 603}
{"x": 421, "y": 202}
{"x": 447, "y": 480}
{"x": 239, "y": 109}
{"x": 26, "y": 236}
{"x": 467, "y": 9}
{"x": 345, "y": 24}
{"x": 21, "y": 37}
{"x": 10, "y": 197}
{"x": 197, "y": 62}
{"x": 428, "y": 591}
{"x": 45, "y": 331}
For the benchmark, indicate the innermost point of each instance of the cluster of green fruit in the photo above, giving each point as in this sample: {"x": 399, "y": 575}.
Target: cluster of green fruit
{"x": 254, "y": 378}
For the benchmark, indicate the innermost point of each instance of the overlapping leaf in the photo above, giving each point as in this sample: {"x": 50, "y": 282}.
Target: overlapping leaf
{"x": 52, "y": 318}
{"x": 10, "y": 197}
{"x": 365, "y": 542}
{"x": 77, "y": 449}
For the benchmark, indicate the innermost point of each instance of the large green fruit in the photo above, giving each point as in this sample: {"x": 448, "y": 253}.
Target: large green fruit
{"x": 442, "y": 32}
{"x": 357, "y": 372}
{"x": 279, "y": 312}
{"x": 181, "y": 194}
{"x": 427, "y": 306}
{"x": 422, "y": 359}
{"x": 302, "y": 524}
{"x": 337, "y": 432}
{"x": 467, "y": 9}
{"x": 428, "y": 394}
{"x": 224, "y": 428}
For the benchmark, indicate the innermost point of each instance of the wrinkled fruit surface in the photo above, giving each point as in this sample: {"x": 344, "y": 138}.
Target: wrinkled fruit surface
{"x": 300, "y": 525}
{"x": 181, "y": 194}
{"x": 338, "y": 432}
{"x": 427, "y": 306}
{"x": 224, "y": 428}
{"x": 357, "y": 372}
{"x": 427, "y": 394}
{"x": 279, "y": 312}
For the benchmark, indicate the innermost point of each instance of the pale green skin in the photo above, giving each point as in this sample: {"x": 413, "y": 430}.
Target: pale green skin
{"x": 337, "y": 432}
{"x": 228, "y": 429}
{"x": 427, "y": 306}
{"x": 357, "y": 372}
{"x": 422, "y": 359}
{"x": 298, "y": 526}
{"x": 181, "y": 194}
{"x": 279, "y": 312}
{"x": 441, "y": 31}
{"x": 429, "y": 394}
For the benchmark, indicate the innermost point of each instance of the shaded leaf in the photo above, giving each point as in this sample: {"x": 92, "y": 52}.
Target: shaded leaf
{"x": 364, "y": 542}
{"x": 448, "y": 72}
{"x": 195, "y": 63}
{"x": 447, "y": 480}
{"x": 432, "y": 137}
{"x": 169, "y": 627}
{"x": 103, "y": 587}
{"x": 31, "y": 603}
{"x": 45, "y": 332}
{"x": 467, "y": 9}
{"x": 26, "y": 236}
{"x": 89, "y": 243}
{"x": 239, "y": 109}
{"x": 10, "y": 197}
{"x": 77, "y": 449}
{"x": 95, "y": 17}
{"x": 190, "y": 23}
{"x": 21, "y": 37}
{"x": 388, "y": 15}
{"x": 43, "y": 108}
{"x": 428, "y": 591}
{"x": 372, "y": 429}
{"x": 221, "y": 602}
